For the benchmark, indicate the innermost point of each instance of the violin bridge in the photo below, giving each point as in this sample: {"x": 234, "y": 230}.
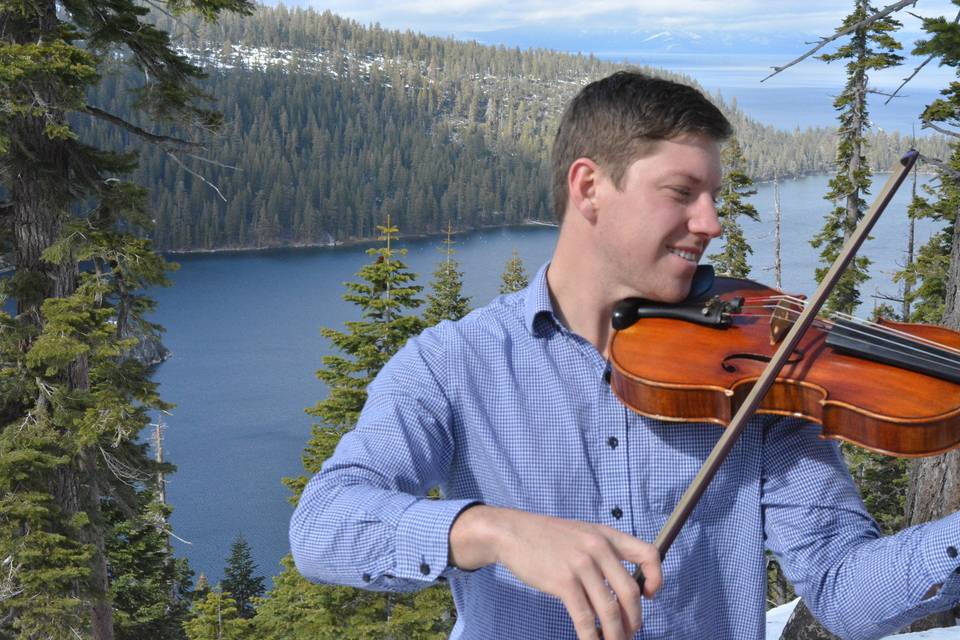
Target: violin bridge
{"x": 781, "y": 320}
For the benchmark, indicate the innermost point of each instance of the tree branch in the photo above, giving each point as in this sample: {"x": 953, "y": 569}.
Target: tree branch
{"x": 196, "y": 175}
{"x": 941, "y": 165}
{"x": 174, "y": 18}
{"x": 929, "y": 125}
{"x": 917, "y": 70}
{"x": 883, "y": 296}
{"x": 890, "y": 96}
{"x": 153, "y": 138}
{"x": 883, "y": 13}
{"x": 910, "y": 77}
{"x": 213, "y": 162}
{"x": 164, "y": 142}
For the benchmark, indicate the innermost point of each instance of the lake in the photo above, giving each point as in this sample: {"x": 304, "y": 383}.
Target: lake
{"x": 244, "y": 331}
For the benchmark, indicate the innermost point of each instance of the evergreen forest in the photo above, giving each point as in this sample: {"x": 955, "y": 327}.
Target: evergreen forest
{"x": 260, "y": 127}
{"x": 330, "y": 125}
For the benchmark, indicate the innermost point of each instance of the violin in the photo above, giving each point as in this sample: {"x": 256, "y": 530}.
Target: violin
{"x": 736, "y": 347}
{"x": 887, "y": 386}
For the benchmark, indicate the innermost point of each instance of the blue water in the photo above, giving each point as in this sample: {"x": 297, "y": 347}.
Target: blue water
{"x": 801, "y": 96}
{"x": 244, "y": 331}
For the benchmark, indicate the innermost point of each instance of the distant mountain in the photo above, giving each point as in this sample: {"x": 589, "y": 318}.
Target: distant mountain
{"x": 602, "y": 41}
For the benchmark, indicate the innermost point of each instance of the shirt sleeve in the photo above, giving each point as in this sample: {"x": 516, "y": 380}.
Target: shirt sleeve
{"x": 365, "y": 519}
{"x": 856, "y": 582}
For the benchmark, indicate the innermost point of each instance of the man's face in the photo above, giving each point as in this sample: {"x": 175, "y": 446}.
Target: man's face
{"x": 654, "y": 230}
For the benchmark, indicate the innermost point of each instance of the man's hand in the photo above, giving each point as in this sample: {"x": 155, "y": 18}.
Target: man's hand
{"x": 579, "y": 562}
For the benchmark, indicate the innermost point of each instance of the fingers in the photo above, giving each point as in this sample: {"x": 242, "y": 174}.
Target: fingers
{"x": 603, "y": 590}
{"x": 627, "y": 593}
{"x": 605, "y": 600}
{"x": 582, "y": 614}
{"x": 581, "y": 563}
{"x": 645, "y": 556}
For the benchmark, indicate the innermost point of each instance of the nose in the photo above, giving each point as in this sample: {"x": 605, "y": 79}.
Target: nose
{"x": 704, "y": 220}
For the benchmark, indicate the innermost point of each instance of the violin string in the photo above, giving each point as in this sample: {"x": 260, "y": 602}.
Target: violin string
{"x": 898, "y": 332}
{"x": 903, "y": 335}
{"x": 898, "y": 340}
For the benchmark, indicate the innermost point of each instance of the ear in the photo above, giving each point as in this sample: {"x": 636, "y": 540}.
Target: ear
{"x": 582, "y": 180}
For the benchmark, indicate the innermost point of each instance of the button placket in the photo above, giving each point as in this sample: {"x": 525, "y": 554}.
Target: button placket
{"x": 615, "y": 491}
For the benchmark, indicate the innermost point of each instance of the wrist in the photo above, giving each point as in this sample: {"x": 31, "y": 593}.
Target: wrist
{"x": 473, "y": 539}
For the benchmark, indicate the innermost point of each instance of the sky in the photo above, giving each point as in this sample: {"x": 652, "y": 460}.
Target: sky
{"x": 728, "y": 46}
{"x": 750, "y": 34}
{"x": 732, "y": 20}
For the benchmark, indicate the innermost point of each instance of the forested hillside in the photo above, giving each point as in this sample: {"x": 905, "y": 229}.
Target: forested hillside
{"x": 331, "y": 125}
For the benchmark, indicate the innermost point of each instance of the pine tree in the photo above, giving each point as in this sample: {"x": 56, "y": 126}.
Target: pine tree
{"x": 202, "y": 588}
{"x": 514, "y": 276}
{"x": 870, "y": 48}
{"x": 294, "y": 608}
{"x": 150, "y": 590}
{"x": 384, "y": 296}
{"x": 71, "y": 404}
{"x": 215, "y": 617}
{"x": 446, "y": 302}
{"x": 239, "y": 581}
{"x": 736, "y": 186}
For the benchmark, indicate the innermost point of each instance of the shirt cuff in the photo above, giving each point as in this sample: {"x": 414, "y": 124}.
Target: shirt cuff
{"x": 423, "y": 539}
{"x": 941, "y": 546}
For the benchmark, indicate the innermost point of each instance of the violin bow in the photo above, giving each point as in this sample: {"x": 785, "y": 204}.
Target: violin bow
{"x": 690, "y": 498}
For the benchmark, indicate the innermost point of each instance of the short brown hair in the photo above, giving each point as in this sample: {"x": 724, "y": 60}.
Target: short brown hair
{"x": 617, "y": 120}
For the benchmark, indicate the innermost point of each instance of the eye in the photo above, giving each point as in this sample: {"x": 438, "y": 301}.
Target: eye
{"x": 682, "y": 193}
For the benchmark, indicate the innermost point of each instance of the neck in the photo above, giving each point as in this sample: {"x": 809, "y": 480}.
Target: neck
{"x": 579, "y": 295}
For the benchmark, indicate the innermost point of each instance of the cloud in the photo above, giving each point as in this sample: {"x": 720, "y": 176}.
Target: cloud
{"x": 451, "y": 17}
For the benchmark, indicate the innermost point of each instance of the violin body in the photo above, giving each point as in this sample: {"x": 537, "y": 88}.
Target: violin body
{"x": 678, "y": 370}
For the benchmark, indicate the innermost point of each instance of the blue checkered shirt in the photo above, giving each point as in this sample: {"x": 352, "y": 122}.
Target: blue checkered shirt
{"x": 509, "y": 408}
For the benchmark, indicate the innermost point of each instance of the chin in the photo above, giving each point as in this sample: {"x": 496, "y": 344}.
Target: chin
{"x": 665, "y": 295}
{"x": 673, "y": 293}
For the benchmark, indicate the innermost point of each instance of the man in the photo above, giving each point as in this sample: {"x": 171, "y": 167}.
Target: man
{"x": 551, "y": 486}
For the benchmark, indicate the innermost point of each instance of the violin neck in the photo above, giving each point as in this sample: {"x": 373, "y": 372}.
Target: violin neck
{"x": 874, "y": 343}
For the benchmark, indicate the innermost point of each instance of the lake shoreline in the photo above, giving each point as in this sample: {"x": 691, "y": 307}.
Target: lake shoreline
{"x": 346, "y": 244}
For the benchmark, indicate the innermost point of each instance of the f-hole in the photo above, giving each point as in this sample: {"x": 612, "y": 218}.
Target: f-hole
{"x": 729, "y": 367}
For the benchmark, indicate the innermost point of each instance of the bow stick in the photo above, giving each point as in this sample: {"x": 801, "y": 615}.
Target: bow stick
{"x": 691, "y": 496}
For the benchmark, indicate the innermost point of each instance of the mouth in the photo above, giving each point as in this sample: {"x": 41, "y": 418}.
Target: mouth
{"x": 690, "y": 255}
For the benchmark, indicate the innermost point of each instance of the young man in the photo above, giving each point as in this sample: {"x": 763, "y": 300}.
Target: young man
{"x": 551, "y": 486}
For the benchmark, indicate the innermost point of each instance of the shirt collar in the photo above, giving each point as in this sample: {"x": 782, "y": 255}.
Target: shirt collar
{"x": 536, "y": 301}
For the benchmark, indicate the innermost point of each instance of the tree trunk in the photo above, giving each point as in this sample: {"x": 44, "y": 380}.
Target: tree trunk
{"x": 40, "y": 204}
{"x": 803, "y": 626}
{"x": 101, "y": 609}
{"x": 934, "y": 489}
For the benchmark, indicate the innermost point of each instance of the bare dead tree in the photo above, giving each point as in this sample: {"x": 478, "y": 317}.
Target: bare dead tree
{"x": 824, "y": 41}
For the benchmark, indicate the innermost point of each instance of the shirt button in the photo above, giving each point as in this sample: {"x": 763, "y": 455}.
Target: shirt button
{"x": 425, "y": 569}
{"x": 366, "y": 577}
{"x": 616, "y": 512}
{"x": 613, "y": 442}
{"x": 952, "y": 551}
